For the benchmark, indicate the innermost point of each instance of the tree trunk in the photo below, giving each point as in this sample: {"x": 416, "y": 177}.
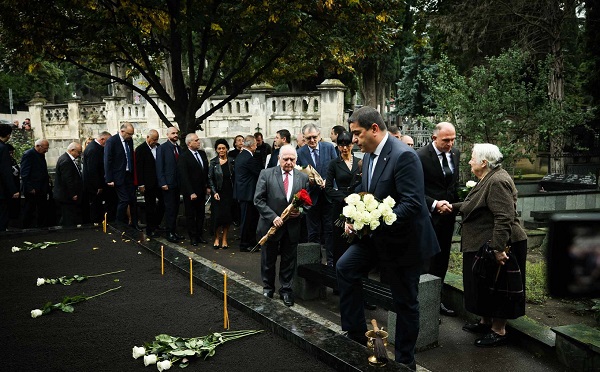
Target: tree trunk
{"x": 369, "y": 83}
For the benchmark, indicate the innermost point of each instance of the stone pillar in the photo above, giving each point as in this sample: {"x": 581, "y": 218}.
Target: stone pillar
{"x": 113, "y": 115}
{"x": 259, "y": 108}
{"x": 73, "y": 120}
{"x": 332, "y": 105}
{"x": 36, "y": 110}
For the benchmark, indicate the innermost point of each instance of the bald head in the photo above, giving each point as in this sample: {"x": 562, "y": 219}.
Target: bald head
{"x": 408, "y": 140}
{"x": 287, "y": 157}
{"x": 443, "y": 136}
{"x": 152, "y": 138}
{"x": 42, "y": 146}
{"x": 74, "y": 149}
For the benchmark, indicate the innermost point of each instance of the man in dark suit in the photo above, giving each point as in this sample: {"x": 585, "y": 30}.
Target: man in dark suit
{"x": 262, "y": 148}
{"x": 440, "y": 168}
{"x": 167, "y": 156}
{"x": 68, "y": 185}
{"x": 318, "y": 217}
{"x": 119, "y": 172}
{"x": 93, "y": 177}
{"x": 145, "y": 161}
{"x": 193, "y": 176}
{"x": 35, "y": 184}
{"x": 282, "y": 138}
{"x": 247, "y": 169}
{"x": 390, "y": 168}
{"x": 8, "y": 190}
{"x": 274, "y": 192}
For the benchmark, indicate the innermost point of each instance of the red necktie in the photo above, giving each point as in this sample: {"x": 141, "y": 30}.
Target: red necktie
{"x": 286, "y": 183}
{"x": 176, "y": 153}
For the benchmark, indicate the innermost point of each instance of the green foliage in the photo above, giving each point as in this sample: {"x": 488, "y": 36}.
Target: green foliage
{"x": 22, "y": 141}
{"x": 535, "y": 282}
{"x": 414, "y": 95}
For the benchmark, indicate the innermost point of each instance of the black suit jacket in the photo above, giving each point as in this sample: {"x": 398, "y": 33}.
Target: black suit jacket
{"x": 145, "y": 166}
{"x": 115, "y": 160}
{"x": 341, "y": 180}
{"x": 93, "y": 167}
{"x": 247, "y": 169}
{"x": 166, "y": 165}
{"x": 436, "y": 186}
{"x": 193, "y": 177}
{"x": 398, "y": 173}
{"x": 34, "y": 172}
{"x": 67, "y": 181}
{"x": 7, "y": 185}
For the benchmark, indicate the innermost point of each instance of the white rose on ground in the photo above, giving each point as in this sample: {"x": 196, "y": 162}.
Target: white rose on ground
{"x": 352, "y": 199}
{"x": 138, "y": 352}
{"x": 389, "y": 201}
{"x": 149, "y": 359}
{"x": 41, "y": 281}
{"x": 164, "y": 365}
{"x": 35, "y": 313}
{"x": 389, "y": 218}
{"x": 15, "y": 249}
{"x": 471, "y": 184}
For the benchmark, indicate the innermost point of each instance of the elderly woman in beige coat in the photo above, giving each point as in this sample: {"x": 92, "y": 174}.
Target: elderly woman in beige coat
{"x": 489, "y": 214}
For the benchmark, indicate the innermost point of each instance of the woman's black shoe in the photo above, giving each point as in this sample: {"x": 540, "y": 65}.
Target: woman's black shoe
{"x": 477, "y": 327}
{"x": 491, "y": 339}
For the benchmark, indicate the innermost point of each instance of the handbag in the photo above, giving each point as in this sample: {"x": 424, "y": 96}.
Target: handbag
{"x": 485, "y": 265}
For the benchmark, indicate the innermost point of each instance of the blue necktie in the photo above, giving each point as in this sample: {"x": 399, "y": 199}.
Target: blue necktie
{"x": 128, "y": 156}
{"x": 371, "y": 161}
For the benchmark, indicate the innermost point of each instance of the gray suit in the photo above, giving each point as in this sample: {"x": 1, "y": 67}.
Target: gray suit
{"x": 270, "y": 200}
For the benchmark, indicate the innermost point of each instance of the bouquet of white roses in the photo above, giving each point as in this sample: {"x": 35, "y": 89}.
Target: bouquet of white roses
{"x": 366, "y": 213}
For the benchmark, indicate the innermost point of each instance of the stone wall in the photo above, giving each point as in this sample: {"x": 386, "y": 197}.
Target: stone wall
{"x": 259, "y": 109}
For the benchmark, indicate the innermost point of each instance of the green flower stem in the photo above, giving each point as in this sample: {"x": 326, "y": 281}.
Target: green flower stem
{"x": 98, "y": 275}
{"x": 105, "y": 292}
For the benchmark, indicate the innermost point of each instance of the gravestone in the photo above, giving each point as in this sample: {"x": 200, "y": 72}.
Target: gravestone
{"x": 564, "y": 182}
{"x": 307, "y": 253}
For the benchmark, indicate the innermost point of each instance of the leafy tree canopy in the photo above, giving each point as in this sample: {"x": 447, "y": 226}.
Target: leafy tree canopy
{"x": 204, "y": 47}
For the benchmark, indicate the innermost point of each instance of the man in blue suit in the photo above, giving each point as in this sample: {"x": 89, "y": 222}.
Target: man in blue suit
{"x": 390, "y": 168}
{"x": 119, "y": 171}
{"x": 167, "y": 156}
{"x": 247, "y": 169}
{"x": 318, "y": 218}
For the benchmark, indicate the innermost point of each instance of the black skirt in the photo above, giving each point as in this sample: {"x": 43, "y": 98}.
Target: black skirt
{"x": 480, "y": 300}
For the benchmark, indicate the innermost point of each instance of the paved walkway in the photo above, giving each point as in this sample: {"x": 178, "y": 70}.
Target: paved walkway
{"x": 455, "y": 352}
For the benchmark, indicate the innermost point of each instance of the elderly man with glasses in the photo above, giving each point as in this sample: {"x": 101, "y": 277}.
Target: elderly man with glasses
{"x": 318, "y": 219}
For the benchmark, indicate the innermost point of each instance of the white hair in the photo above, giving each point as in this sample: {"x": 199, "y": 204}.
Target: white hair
{"x": 488, "y": 152}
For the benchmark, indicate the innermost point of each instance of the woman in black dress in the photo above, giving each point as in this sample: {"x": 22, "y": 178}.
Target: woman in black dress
{"x": 220, "y": 181}
{"x": 342, "y": 177}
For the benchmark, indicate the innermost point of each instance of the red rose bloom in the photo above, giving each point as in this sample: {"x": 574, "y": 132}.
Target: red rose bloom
{"x": 302, "y": 198}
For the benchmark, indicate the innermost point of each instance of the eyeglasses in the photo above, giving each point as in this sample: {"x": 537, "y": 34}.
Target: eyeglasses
{"x": 310, "y": 138}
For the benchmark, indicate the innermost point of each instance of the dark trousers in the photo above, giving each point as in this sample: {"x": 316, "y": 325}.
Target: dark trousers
{"x": 34, "y": 213}
{"x": 404, "y": 284}
{"x": 194, "y": 216}
{"x": 320, "y": 226}
{"x": 70, "y": 214}
{"x": 249, "y": 222}
{"x": 96, "y": 206}
{"x": 171, "y": 198}
{"x": 444, "y": 228}
{"x": 3, "y": 215}
{"x": 268, "y": 261}
{"x": 126, "y": 196}
{"x": 155, "y": 208}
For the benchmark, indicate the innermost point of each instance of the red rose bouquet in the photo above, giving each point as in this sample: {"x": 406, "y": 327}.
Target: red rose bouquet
{"x": 299, "y": 201}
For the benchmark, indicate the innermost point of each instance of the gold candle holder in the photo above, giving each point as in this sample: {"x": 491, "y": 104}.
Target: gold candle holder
{"x": 371, "y": 336}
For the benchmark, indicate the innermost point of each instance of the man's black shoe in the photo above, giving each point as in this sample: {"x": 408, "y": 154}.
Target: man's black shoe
{"x": 172, "y": 238}
{"x": 202, "y": 240}
{"x": 268, "y": 293}
{"x": 288, "y": 299}
{"x": 445, "y": 311}
{"x": 370, "y": 306}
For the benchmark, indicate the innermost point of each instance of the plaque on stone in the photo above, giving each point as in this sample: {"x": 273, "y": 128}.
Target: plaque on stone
{"x": 565, "y": 182}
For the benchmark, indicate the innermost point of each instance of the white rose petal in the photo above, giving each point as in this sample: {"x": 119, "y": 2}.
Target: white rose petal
{"x": 376, "y": 214}
{"x": 41, "y": 281}
{"x": 389, "y": 201}
{"x": 149, "y": 359}
{"x": 164, "y": 365}
{"x": 358, "y": 225}
{"x": 35, "y": 313}
{"x": 352, "y": 199}
{"x": 360, "y": 206}
{"x": 349, "y": 211}
{"x": 374, "y": 224}
{"x": 15, "y": 249}
{"x": 390, "y": 218}
{"x": 367, "y": 198}
{"x": 371, "y": 205}
{"x": 138, "y": 352}
{"x": 471, "y": 184}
